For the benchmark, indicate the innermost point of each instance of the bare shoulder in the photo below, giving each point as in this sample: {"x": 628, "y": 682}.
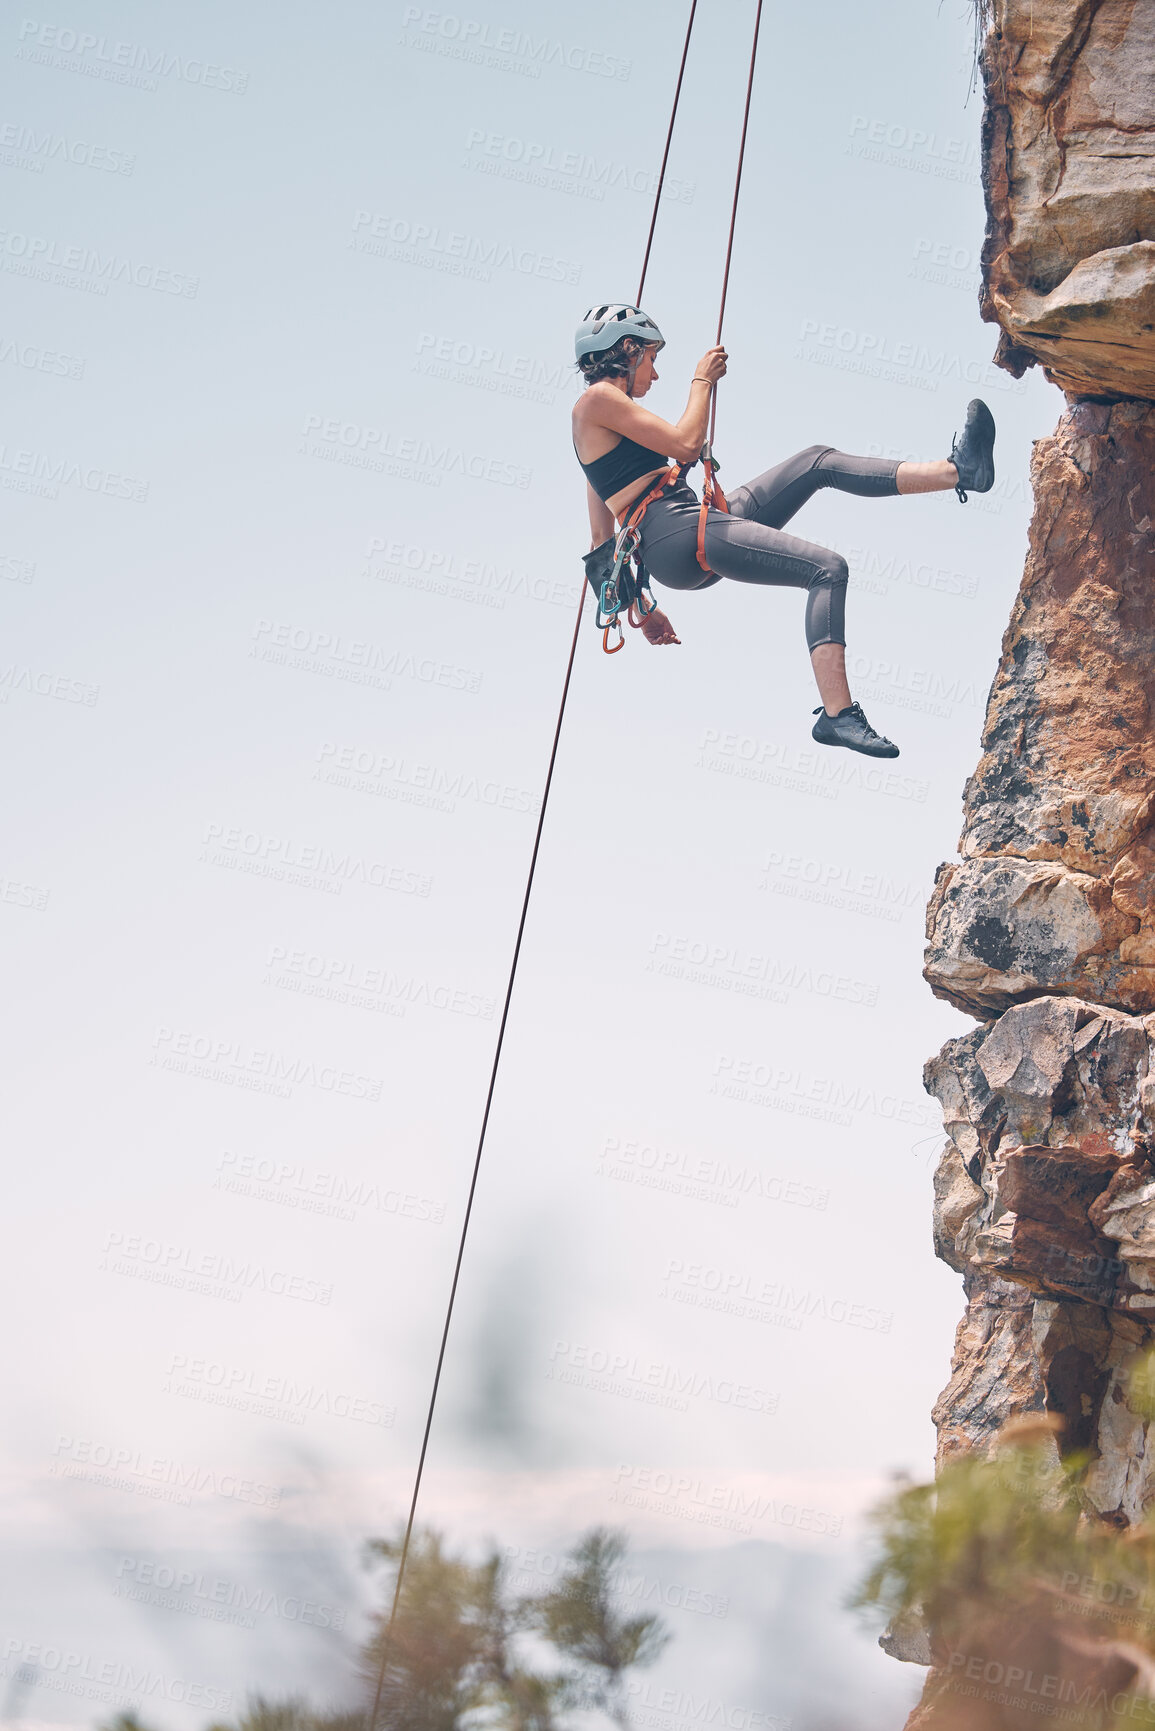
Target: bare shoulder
{"x": 587, "y": 406}
{"x": 600, "y": 405}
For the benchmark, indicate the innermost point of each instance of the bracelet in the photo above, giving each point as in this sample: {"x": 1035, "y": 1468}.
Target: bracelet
{"x": 699, "y": 380}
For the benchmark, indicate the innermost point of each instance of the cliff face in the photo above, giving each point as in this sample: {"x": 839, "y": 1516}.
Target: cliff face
{"x": 1069, "y": 162}
{"x": 1045, "y": 1202}
{"x": 1056, "y": 888}
{"x": 1044, "y": 929}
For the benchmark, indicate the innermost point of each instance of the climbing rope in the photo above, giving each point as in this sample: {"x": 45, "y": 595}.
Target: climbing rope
{"x": 666, "y": 153}
{"x": 614, "y": 590}
{"x": 712, "y": 494}
{"x": 737, "y": 190}
{"x": 635, "y": 517}
{"x": 402, "y": 1560}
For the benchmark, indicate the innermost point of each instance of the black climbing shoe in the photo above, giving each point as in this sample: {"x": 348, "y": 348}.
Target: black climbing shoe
{"x": 973, "y": 451}
{"x": 851, "y": 728}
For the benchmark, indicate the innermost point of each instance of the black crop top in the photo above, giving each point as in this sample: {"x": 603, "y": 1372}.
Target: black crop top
{"x": 627, "y": 462}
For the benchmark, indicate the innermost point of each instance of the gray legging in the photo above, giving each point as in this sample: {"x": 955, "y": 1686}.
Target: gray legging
{"x": 748, "y": 545}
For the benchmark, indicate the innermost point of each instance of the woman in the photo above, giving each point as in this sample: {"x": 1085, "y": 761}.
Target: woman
{"x": 624, "y": 450}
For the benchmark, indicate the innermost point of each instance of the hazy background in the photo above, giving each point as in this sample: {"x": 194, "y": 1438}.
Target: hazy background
{"x": 288, "y": 577}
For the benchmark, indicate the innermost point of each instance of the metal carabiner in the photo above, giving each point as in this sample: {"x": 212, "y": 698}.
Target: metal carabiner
{"x": 615, "y": 624}
{"x": 644, "y": 602}
{"x": 626, "y": 544}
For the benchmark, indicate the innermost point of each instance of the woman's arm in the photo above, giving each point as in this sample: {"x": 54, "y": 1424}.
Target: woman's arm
{"x": 683, "y": 439}
{"x": 602, "y": 524}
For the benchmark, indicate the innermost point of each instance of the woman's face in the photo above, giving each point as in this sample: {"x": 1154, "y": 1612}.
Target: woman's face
{"x": 645, "y": 374}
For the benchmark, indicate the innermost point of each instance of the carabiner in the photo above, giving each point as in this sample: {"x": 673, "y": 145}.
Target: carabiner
{"x": 627, "y": 543}
{"x": 615, "y": 624}
{"x": 609, "y": 603}
{"x": 645, "y": 600}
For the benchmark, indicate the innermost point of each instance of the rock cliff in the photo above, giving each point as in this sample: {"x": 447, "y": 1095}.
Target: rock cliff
{"x": 1044, "y": 928}
{"x": 1069, "y": 171}
{"x": 1055, "y": 890}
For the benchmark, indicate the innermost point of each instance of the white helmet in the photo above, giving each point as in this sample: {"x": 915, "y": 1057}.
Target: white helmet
{"x": 606, "y": 325}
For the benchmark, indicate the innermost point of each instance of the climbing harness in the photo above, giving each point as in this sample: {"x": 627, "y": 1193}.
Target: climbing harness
{"x": 626, "y": 589}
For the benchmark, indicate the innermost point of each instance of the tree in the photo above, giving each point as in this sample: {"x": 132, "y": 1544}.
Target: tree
{"x": 580, "y": 1617}
{"x": 461, "y": 1653}
{"x": 292, "y": 1714}
{"x": 1027, "y": 1594}
{"x": 525, "y": 1699}
{"x": 441, "y": 1644}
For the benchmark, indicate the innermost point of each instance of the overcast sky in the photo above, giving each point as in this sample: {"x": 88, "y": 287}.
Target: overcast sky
{"x": 288, "y": 580}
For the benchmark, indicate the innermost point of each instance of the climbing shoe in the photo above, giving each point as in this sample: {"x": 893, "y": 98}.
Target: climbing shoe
{"x": 851, "y": 729}
{"x": 973, "y": 451}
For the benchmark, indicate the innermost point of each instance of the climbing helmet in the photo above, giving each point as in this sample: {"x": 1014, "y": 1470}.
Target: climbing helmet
{"x": 603, "y": 326}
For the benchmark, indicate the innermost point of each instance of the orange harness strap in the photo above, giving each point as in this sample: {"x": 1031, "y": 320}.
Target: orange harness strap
{"x": 712, "y": 498}
{"x": 626, "y": 549}
{"x": 712, "y": 495}
{"x": 638, "y": 511}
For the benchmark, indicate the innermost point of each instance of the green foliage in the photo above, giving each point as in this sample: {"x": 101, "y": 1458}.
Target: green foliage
{"x": 989, "y": 1532}
{"x": 458, "y": 1646}
{"x": 1009, "y": 1567}
{"x": 447, "y": 1640}
{"x": 579, "y": 1616}
{"x": 292, "y": 1714}
{"x": 466, "y": 1651}
{"x": 1141, "y": 1386}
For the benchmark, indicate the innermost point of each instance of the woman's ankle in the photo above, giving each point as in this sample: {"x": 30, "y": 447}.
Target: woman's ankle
{"x": 937, "y": 477}
{"x": 829, "y": 663}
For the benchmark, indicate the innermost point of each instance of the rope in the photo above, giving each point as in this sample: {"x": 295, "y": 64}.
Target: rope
{"x": 665, "y": 156}
{"x": 734, "y": 207}
{"x": 387, "y": 1638}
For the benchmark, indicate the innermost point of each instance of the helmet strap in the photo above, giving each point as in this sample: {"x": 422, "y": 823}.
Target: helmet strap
{"x": 635, "y": 362}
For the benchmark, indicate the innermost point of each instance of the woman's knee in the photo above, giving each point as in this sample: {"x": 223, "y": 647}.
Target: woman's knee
{"x": 832, "y": 572}
{"x": 826, "y": 601}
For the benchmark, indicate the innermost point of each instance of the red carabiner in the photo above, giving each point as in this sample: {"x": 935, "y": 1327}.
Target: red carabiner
{"x": 615, "y": 624}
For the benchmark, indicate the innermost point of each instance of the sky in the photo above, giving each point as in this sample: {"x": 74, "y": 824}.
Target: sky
{"x": 290, "y": 568}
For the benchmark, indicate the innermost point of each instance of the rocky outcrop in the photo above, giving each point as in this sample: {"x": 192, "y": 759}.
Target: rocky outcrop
{"x": 1069, "y": 166}
{"x": 1055, "y": 890}
{"x": 1044, "y": 928}
{"x": 1045, "y": 1202}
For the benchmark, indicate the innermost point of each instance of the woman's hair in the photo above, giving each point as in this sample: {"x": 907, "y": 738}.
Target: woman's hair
{"x": 611, "y": 363}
